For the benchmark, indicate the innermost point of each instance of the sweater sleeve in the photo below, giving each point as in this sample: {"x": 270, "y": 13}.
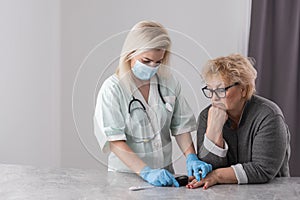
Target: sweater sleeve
{"x": 268, "y": 150}
{"x": 206, "y": 149}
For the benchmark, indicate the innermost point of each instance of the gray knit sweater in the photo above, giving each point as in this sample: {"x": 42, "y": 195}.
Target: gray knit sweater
{"x": 258, "y": 150}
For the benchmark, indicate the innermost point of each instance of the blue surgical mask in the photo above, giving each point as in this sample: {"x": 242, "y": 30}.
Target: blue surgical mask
{"x": 143, "y": 71}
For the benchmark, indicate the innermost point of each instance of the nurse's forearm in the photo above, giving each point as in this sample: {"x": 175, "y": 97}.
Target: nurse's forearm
{"x": 127, "y": 156}
{"x": 185, "y": 143}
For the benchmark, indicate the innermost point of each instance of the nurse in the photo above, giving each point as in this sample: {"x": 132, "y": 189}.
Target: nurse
{"x": 141, "y": 106}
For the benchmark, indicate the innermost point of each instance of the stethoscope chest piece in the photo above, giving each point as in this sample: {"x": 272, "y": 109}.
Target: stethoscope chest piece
{"x": 169, "y": 107}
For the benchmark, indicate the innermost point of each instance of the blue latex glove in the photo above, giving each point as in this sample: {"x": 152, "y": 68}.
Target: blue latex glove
{"x": 158, "y": 177}
{"x": 194, "y": 165}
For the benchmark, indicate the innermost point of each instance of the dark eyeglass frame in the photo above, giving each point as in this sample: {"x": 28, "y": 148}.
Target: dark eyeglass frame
{"x": 218, "y": 90}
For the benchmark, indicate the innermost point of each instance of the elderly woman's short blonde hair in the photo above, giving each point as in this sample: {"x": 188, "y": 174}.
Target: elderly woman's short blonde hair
{"x": 144, "y": 36}
{"x": 233, "y": 68}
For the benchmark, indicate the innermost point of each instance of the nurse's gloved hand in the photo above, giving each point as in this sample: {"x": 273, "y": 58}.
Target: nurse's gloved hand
{"x": 158, "y": 177}
{"x": 194, "y": 165}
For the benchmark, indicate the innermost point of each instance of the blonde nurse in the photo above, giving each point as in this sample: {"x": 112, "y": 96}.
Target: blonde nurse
{"x": 141, "y": 106}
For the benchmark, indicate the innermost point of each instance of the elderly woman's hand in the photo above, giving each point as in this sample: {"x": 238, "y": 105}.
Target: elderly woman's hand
{"x": 220, "y": 175}
{"x": 217, "y": 117}
{"x": 210, "y": 180}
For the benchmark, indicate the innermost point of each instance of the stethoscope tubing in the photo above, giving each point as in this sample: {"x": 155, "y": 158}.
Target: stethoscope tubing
{"x": 133, "y": 100}
{"x": 140, "y": 102}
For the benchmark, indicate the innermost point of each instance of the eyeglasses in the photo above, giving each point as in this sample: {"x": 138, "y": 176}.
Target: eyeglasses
{"x": 220, "y": 92}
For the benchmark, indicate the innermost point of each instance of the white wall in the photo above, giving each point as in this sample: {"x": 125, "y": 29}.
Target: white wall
{"x": 89, "y": 44}
{"x": 29, "y": 82}
{"x": 44, "y": 44}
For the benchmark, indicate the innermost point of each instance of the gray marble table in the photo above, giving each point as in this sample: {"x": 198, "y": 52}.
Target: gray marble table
{"x": 26, "y": 182}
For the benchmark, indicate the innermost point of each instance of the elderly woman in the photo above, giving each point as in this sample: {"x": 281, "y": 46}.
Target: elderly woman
{"x": 244, "y": 136}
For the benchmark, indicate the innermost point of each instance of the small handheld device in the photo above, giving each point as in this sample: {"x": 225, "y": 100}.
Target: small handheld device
{"x": 183, "y": 180}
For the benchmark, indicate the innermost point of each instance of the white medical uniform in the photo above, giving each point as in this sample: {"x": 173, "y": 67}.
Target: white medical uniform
{"x": 112, "y": 121}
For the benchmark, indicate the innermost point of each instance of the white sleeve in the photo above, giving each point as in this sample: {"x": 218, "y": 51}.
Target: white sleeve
{"x": 240, "y": 173}
{"x": 211, "y": 147}
{"x": 109, "y": 123}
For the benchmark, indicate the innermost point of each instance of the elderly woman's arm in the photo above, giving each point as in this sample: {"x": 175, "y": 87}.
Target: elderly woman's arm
{"x": 207, "y": 150}
{"x": 269, "y": 150}
{"x": 269, "y": 147}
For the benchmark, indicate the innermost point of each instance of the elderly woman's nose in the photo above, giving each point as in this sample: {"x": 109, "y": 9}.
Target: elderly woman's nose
{"x": 215, "y": 97}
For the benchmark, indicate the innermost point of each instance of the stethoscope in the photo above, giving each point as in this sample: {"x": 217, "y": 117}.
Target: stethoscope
{"x": 167, "y": 105}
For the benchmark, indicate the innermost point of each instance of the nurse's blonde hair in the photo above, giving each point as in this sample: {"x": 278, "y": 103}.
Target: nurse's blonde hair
{"x": 233, "y": 68}
{"x": 144, "y": 36}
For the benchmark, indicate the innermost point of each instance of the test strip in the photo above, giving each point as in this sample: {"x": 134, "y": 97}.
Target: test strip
{"x": 136, "y": 188}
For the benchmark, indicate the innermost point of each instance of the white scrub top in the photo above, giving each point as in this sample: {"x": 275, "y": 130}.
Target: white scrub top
{"x": 112, "y": 120}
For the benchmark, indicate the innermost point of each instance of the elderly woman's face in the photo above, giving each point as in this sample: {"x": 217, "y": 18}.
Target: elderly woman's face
{"x": 233, "y": 98}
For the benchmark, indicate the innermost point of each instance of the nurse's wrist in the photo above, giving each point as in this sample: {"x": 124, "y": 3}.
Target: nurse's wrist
{"x": 189, "y": 151}
{"x": 142, "y": 169}
{"x": 191, "y": 156}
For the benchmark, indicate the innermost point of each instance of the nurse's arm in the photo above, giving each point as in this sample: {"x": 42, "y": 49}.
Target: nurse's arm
{"x": 185, "y": 143}
{"x": 127, "y": 156}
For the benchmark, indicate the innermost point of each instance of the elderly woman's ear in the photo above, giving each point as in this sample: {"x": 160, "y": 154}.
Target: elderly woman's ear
{"x": 244, "y": 90}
